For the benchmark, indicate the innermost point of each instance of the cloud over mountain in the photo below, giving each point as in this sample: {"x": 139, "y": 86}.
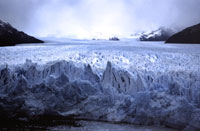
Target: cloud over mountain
{"x": 102, "y": 17}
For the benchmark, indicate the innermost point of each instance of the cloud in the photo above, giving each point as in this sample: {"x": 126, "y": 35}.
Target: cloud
{"x": 89, "y": 18}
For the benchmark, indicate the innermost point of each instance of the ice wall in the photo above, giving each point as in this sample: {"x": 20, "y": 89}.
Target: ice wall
{"x": 140, "y": 97}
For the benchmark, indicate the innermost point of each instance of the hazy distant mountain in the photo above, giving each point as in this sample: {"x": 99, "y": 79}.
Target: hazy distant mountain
{"x": 114, "y": 39}
{"x": 162, "y": 34}
{"x": 10, "y": 36}
{"x": 188, "y": 35}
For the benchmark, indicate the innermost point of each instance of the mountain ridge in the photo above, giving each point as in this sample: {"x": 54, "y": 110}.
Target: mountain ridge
{"x": 188, "y": 35}
{"x": 10, "y": 36}
{"x": 161, "y": 34}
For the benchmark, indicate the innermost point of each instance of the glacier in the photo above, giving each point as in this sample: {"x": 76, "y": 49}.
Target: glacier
{"x": 142, "y": 83}
{"x": 171, "y": 99}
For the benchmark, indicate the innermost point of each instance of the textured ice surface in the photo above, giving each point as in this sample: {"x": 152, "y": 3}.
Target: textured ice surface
{"x": 102, "y": 126}
{"x": 144, "y": 84}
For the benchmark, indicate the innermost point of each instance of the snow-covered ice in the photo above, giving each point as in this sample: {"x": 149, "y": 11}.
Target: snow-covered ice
{"x": 142, "y": 83}
{"x": 102, "y": 126}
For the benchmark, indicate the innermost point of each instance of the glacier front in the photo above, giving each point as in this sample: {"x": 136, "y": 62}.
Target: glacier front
{"x": 131, "y": 87}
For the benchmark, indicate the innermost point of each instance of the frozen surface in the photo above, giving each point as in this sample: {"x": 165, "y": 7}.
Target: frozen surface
{"x": 102, "y": 126}
{"x": 126, "y": 81}
{"x": 126, "y": 54}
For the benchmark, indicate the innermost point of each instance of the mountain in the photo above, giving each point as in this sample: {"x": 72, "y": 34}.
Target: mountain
{"x": 10, "y": 36}
{"x": 114, "y": 39}
{"x": 188, "y": 35}
{"x": 162, "y": 34}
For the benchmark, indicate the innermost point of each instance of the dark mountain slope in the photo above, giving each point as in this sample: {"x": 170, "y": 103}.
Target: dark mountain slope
{"x": 188, "y": 35}
{"x": 10, "y": 36}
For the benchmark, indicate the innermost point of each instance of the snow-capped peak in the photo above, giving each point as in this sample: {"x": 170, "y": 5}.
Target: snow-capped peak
{"x": 161, "y": 34}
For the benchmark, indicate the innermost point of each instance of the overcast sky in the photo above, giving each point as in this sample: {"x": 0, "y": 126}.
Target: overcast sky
{"x": 85, "y": 18}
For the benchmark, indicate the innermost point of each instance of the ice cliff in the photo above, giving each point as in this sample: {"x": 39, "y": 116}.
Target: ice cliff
{"x": 62, "y": 88}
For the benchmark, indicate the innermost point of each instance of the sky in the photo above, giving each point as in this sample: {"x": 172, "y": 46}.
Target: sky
{"x": 97, "y": 18}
